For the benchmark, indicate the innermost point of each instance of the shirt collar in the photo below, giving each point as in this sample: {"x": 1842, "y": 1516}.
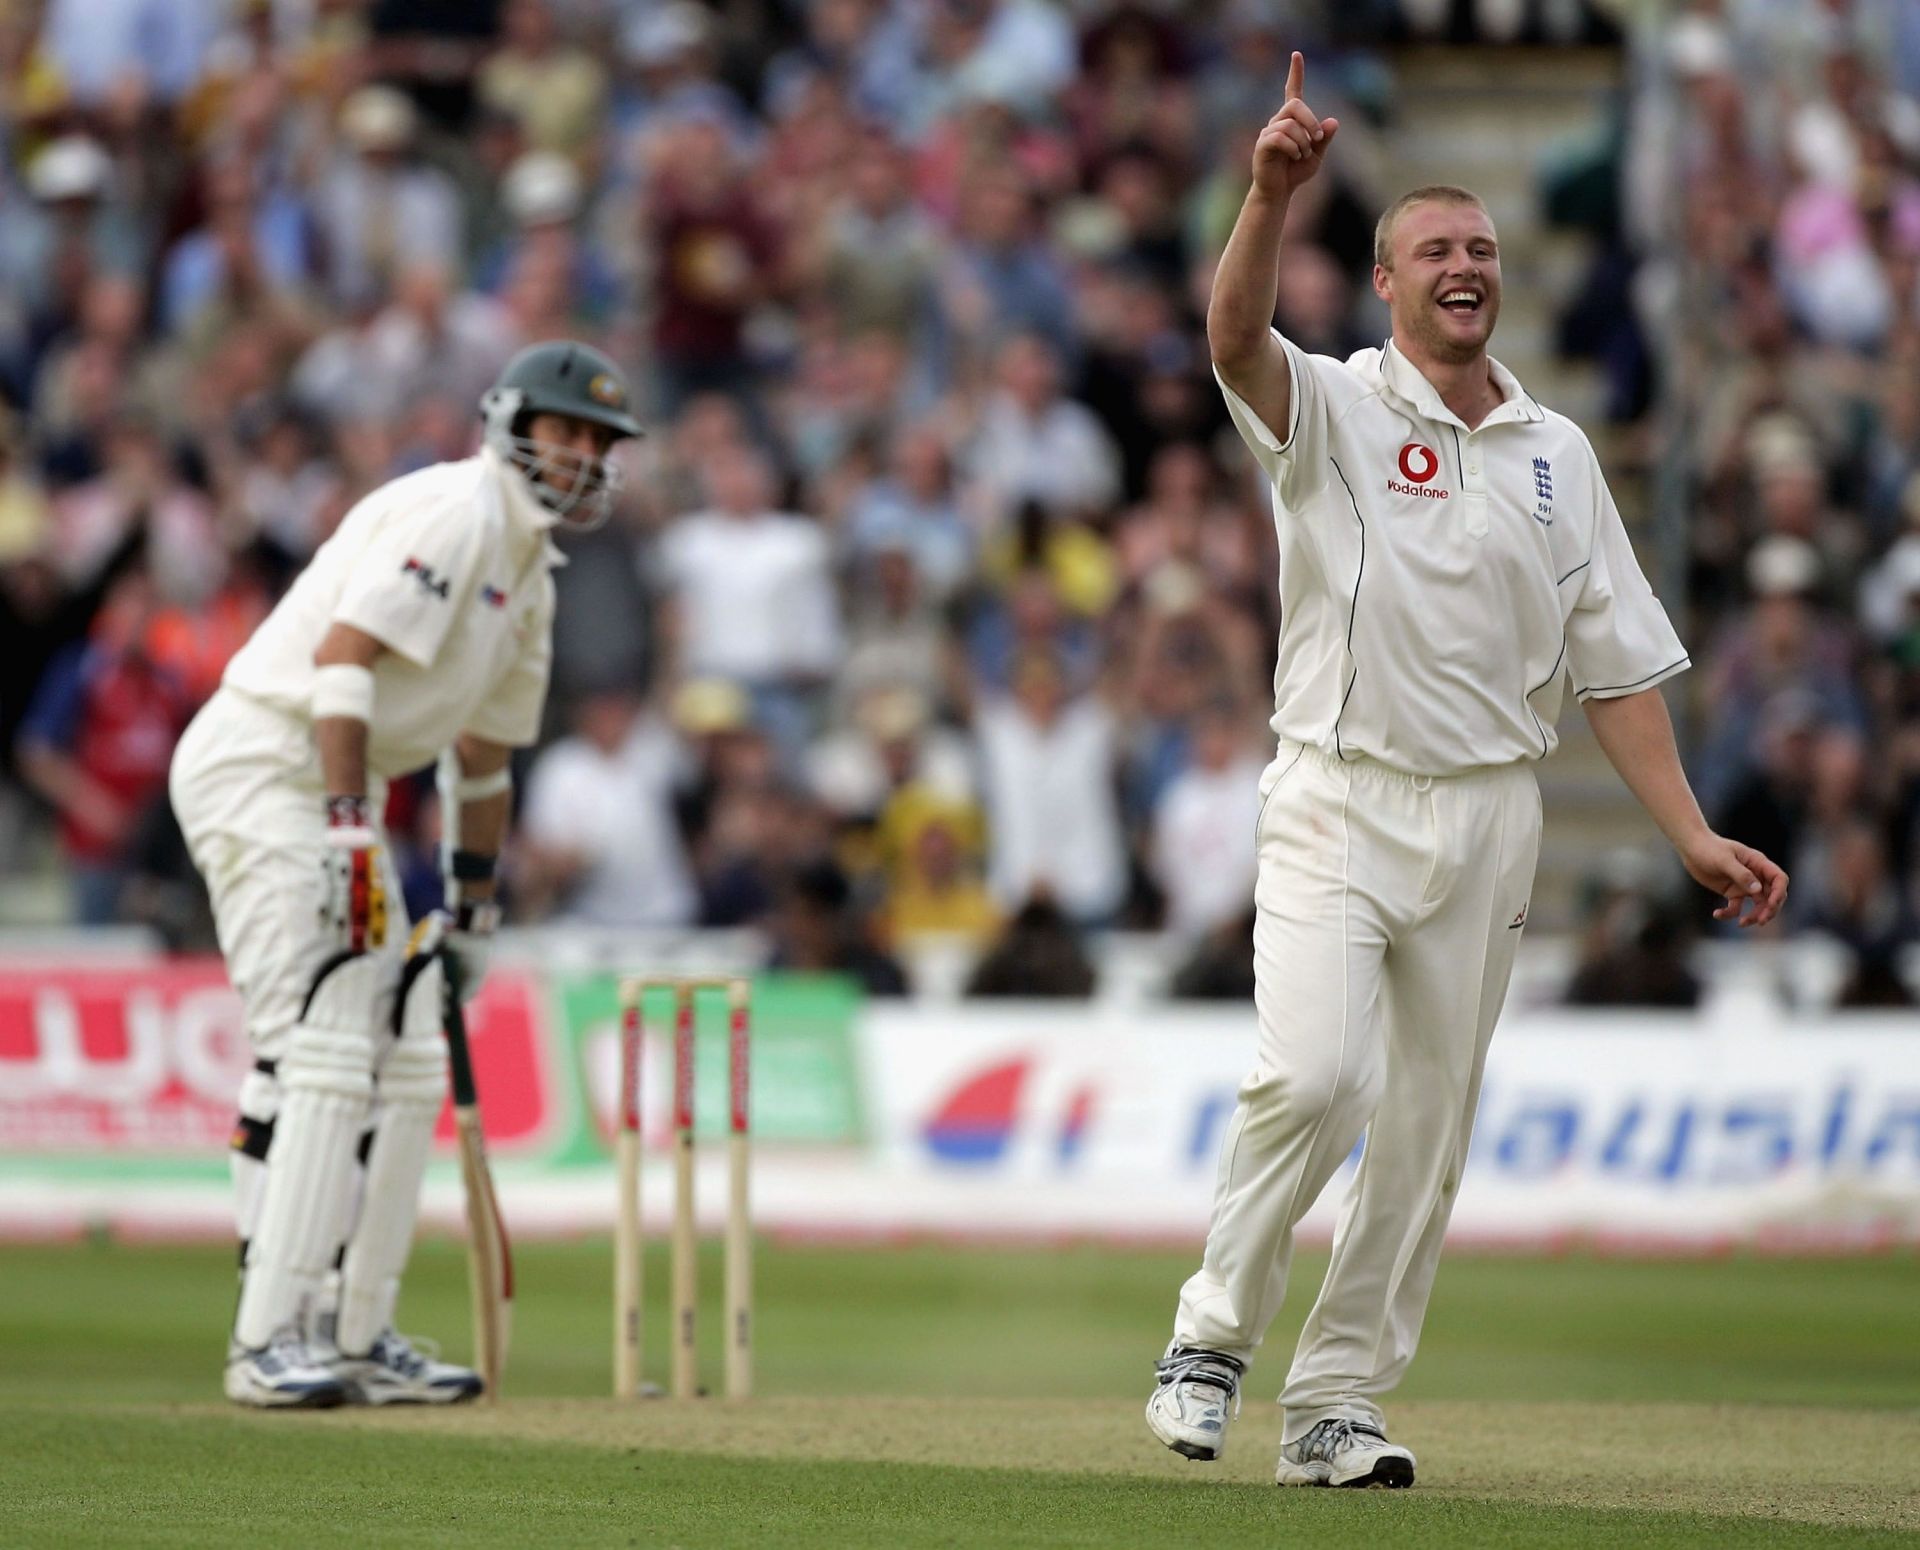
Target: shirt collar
{"x": 1408, "y": 383}
{"x": 529, "y": 521}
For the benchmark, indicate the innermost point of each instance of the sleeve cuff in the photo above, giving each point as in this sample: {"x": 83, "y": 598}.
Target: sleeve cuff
{"x": 1617, "y": 691}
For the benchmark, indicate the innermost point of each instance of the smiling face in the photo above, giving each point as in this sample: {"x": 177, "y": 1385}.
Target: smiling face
{"x": 1441, "y": 279}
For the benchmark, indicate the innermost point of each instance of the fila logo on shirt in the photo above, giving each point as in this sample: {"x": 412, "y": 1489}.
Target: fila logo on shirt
{"x": 493, "y": 597}
{"x": 1418, "y": 465}
{"x": 423, "y": 573}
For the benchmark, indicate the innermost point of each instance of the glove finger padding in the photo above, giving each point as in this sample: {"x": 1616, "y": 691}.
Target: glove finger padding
{"x": 353, "y": 891}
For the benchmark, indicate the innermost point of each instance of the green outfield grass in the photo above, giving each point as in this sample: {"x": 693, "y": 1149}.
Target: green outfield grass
{"x": 931, "y": 1396}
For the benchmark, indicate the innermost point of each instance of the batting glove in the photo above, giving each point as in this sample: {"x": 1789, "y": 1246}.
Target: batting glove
{"x": 470, "y": 942}
{"x": 353, "y": 890}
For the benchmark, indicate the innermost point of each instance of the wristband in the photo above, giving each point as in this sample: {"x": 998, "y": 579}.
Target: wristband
{"x": 343, "y": 690}
{"x": 349, "y": 823}
{"x": 349, "y": 812}
{"x": 470, "y": 866}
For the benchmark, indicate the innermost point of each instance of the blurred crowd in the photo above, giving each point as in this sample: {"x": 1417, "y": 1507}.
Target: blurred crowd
{"x": 938, "y": 606}
{"x": 1771, "y": 193}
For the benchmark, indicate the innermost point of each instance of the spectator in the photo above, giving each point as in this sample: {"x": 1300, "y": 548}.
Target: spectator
{"x": 1203, "y": 828}
{"x": 753, "y": 596}
{"x": 542, "y": 195}
{"x": 932, "y": 852}
{"x": 717, "y": 261}
{"x": 96, "y": 743}
{"x": 1049, "y": 775}
{"x": 878, "y": 256}
{"x": 916, "y": 507}
{"x": 999, "y": 277}
{"x": 890, "y": 743}
{"x": 554, "y": 90}
{"x": 1854, "y": 900}
{"x": 379, "y": 209}
{"x": 1783, "y": 642}
{"x": 818, "y": 931}
{"x": 140, "y": 491}
{"x": 1035, "y": 444}
{"x": 1634, "y": 952}
{"x": 1038, "y": 955}
{"x": 598, "y": 842}
{"x": 1220, "y": 967}
{"x": 249, "y": 237}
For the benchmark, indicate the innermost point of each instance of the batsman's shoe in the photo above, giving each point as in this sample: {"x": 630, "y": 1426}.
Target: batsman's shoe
{"x": 1198, "y": 1393}
{"x": 396, "y": 1372}
{"x": 1342, "y": 1452}
{"x": 283, "y": 1374}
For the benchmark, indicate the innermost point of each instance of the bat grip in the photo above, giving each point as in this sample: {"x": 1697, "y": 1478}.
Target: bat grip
{"x": 454, "y": 1020}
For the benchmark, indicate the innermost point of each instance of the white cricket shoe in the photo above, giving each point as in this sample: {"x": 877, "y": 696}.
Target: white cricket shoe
{"x": 283, "y": 1374}
{"x": 1198, "y": 1393}
{"x": 1343, "y": 1452}
{"x": 394, "y": 1372}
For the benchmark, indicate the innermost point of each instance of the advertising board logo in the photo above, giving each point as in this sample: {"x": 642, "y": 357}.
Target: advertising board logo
{"x": 979, "y": 1121}
{"x": 975, "y": 1124}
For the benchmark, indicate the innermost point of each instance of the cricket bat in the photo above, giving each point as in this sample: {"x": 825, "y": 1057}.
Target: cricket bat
{"x": 489, "y": 1257}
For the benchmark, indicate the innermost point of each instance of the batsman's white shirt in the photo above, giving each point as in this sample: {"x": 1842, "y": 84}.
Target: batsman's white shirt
{"x": 1439, "y": 585}
{"x": 450, "y": 569}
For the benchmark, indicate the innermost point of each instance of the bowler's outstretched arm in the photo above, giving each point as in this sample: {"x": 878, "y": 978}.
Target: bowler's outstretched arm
{"x": 1637, "y": 736}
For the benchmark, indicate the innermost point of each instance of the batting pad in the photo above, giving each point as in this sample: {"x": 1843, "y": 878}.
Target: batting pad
{"x": 412, "y": 1088}
{"x": 325, "y": 1081}
{"x": 247, "y": 1156}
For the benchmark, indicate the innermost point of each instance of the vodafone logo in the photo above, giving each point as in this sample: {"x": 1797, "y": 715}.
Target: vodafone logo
{"x": 1417, "y": 463}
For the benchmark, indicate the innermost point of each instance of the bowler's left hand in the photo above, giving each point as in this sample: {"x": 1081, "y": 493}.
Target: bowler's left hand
{"x": 1753, "y": 886}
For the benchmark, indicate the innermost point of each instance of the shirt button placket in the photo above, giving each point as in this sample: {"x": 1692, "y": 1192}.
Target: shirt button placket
{"x": 1475, "y": 488}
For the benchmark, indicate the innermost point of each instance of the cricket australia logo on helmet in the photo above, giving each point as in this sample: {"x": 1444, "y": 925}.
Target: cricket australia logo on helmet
{"x": 1418, "y": 464}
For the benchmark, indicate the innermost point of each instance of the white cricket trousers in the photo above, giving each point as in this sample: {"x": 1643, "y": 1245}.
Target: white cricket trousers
{"x": 1388, "y": 910}
{"x": 247, "y": 790}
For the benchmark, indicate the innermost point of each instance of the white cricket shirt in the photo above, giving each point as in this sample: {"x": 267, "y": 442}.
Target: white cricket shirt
{"x": 450, "y": 568}
{"x": 1440, "y": 586}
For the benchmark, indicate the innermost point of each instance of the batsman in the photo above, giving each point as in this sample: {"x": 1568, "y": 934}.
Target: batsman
{"x": 1450, "y": 564}
{"x": 420, "y": 632}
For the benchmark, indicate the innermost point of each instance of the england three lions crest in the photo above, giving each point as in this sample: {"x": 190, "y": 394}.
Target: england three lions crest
{"x": 1543, "y": 492}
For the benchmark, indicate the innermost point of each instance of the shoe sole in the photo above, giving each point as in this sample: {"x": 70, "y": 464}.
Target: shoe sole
{"x": 318, "y": 1399}
{"x": 375, "y": 1400}
{"x": 1197, "y": 1452}
{"x": 1392, "y": 1474}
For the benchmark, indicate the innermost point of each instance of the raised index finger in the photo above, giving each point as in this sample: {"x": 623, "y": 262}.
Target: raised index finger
{"x": 1296, "y": 75}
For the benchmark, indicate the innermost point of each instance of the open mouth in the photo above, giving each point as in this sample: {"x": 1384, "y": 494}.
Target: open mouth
{"x": 1460, "y": 302}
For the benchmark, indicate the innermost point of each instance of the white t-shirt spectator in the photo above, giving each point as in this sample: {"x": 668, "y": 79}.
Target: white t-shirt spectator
{"x": 1061, "y": 457}
{"x": 616, "y": 808}
{"x": 756, "y": 596}
{"x": 1050, "y": 800}
{"x": 1203, "y": 845}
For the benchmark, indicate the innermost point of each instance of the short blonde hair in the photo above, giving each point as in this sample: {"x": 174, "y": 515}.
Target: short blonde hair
{"x": 1441, "y": 193}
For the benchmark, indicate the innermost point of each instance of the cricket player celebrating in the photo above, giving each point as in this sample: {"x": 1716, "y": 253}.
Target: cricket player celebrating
{"x": 1449, "y": 559}
{"x": 421, "y": 630}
